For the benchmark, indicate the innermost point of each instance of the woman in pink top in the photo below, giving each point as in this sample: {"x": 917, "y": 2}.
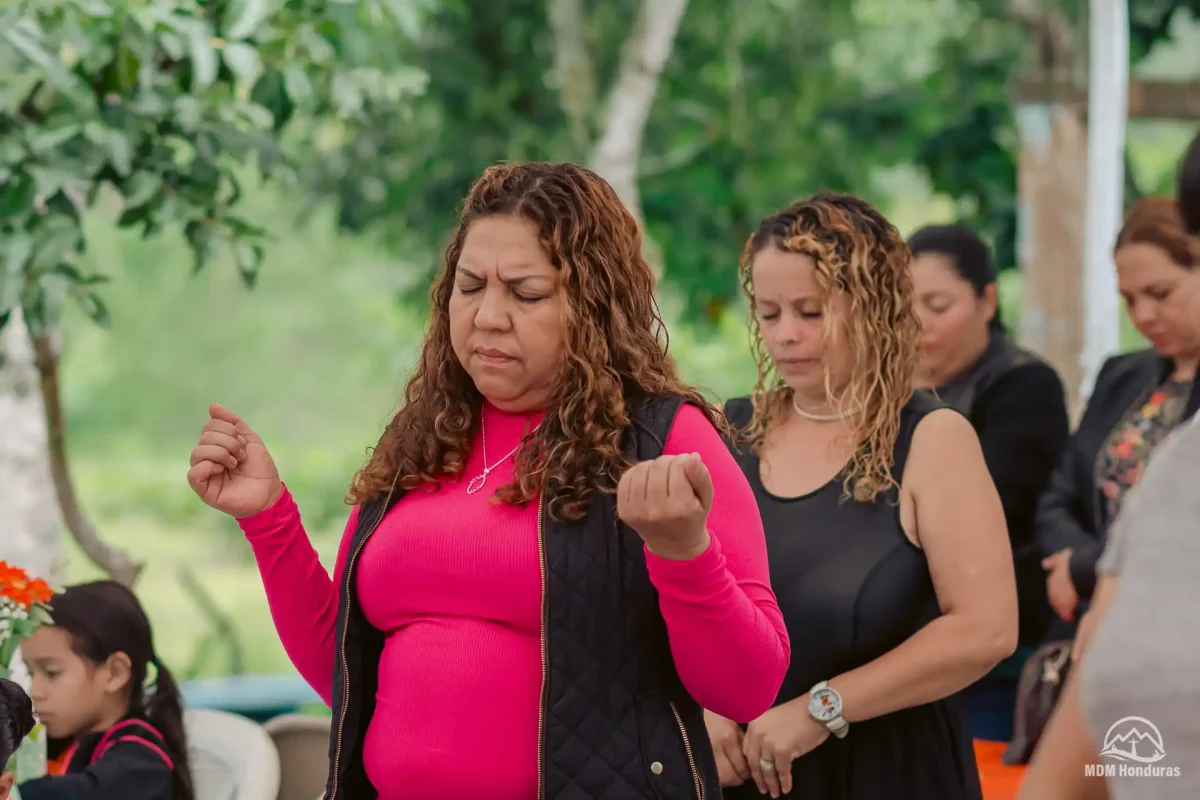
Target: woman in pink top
{"x": 553, "y": 564}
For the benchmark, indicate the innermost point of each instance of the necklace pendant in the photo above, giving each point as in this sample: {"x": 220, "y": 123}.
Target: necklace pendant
{"x": 476, "y": 483}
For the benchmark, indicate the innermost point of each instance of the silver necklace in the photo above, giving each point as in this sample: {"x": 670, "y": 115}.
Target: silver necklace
{"x": 477, "y": 483}
{"x": 836, "y": 417}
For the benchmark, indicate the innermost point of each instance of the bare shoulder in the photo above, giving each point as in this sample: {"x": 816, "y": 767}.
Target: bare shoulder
{"x": 944, "y": 443}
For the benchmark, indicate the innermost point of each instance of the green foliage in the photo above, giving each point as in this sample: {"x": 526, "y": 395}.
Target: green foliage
{"x": 161, "y": 100}
{"x": 760, "y": 102}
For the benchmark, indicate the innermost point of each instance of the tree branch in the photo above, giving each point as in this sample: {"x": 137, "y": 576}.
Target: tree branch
{"x": 573, "y": 68}
{"x": 644, "y": 55}
{"x": 113, "y": 561}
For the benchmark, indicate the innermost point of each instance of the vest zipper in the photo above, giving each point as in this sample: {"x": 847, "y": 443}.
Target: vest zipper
{"x": 337, "y": 753}
{"x": 687, "y": 746}
{"x": 545, "y": 649}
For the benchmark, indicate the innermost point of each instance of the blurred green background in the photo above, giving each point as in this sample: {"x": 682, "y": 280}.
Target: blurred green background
{"x": 387, "y": 109}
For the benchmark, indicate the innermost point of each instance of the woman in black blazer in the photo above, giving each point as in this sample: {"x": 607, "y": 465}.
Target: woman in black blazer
{"x": 1014, "y": 400}
{"x": 1138, "y": 399}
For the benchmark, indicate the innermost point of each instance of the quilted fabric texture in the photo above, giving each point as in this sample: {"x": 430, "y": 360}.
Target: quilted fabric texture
{"x": 610, "y": 729}
{"x": 612, "y": 693}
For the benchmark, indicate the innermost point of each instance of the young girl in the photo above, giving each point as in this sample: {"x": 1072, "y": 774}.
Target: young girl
{"x": 97, "y": 682}
{"x": 16, "y": 721}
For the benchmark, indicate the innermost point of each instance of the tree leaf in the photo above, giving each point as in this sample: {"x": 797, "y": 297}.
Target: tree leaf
{"x": 28, "y": 40}
{"x": 138, "y": 190}
{"x": 94, "y": 307}
{"x": 94, "y": 8}
{"x": 407, "y": 16}
{"x": 204, "y": 56}
{"x": 120, "y": 152}
{"x": 54, "y": 241}
{"x": 297, "y": 85}
{"x": 68, "y": 271}
{"x": 33, "y": 307}
{"x": 20, "y": 248}
{"x": 243, "y": 60}
{"x": 52, "y": 139}
{"x": 244, "y": 18}
{"x": 249, "y": 259}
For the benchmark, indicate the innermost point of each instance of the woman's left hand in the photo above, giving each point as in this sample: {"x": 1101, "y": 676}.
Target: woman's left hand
{"x": 779, "y": 737}
{"x": 1059, "y": 587}
{"x": 666, "y": 500}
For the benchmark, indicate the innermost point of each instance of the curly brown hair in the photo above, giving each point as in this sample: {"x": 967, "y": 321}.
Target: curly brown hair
{"x": 859, "y": 253}
{"x": 615, "y": 353}
{"x": 1157, "y": 221}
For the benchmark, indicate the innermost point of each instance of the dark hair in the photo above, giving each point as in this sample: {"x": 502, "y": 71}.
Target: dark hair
{"x": 1189, "y": 187}
{"x": 16, "y": 718}
{"x": 105, "y": 617}
{"x": 1156, "y": 221}
{"x": 968, "y": 254}
{"x": 614, "y": 346}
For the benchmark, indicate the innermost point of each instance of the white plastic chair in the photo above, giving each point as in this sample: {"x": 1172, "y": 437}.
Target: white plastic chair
{"x": 302, "y": 742}
{"x": 232, "y": 758}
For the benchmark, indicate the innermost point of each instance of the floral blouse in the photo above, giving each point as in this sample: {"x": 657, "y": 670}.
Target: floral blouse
{"x": 1124, "y": 454}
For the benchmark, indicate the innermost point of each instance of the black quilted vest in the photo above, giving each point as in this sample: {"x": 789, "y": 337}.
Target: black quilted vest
{"x": 616, "y": 721}
{"x": 1001, "y": 357}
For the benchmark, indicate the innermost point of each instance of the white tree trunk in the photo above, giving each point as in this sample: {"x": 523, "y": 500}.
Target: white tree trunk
{"x": 574, "y": 73}
{"x": 30, "y": 531}
{"x": 632, "y": 96}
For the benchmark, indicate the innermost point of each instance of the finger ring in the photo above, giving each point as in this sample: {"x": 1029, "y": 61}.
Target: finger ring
{"x": 766, "y": 765}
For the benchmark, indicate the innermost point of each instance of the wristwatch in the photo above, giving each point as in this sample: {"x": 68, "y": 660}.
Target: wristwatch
{"x": 825, "y": 706}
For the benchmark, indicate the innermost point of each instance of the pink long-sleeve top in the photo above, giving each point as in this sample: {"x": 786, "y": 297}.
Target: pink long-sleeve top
{"x": 454, "y": 582}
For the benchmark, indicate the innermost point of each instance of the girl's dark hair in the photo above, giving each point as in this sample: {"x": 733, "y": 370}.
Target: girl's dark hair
{"x": 16, "y": 718}
{"x": 968, "y": 254}
{"x": 105, "y": 617}
{"x": 1189, "y": 187}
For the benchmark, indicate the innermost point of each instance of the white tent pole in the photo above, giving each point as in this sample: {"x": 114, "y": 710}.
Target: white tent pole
{"x": 1108, "y": 97}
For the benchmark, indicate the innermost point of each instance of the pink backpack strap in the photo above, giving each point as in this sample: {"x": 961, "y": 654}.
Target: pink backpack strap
{"x": 127, "y": 731}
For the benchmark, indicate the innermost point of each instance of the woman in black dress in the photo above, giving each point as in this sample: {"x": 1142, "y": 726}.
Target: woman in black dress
{"x": 885, "y": 535}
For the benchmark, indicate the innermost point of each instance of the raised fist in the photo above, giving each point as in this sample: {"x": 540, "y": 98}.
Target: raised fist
{"x": 666, "y": 501}
{"x": 231, "y": 468}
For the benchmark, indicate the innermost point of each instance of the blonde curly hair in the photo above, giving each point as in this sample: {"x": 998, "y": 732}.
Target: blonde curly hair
{"x": 860, "y": 254}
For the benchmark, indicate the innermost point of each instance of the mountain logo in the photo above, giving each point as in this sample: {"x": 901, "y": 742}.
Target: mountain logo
{"x": 1134, "y": 739}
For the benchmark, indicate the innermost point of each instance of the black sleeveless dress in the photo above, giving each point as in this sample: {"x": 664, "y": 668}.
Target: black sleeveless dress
{"x": 852, "y": 587}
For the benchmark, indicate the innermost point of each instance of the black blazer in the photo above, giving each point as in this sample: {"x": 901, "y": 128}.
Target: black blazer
{"x": 1017, "y": 405}
{"x": 1070, "y": 513}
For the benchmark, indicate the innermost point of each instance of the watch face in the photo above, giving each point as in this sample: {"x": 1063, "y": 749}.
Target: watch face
{"x": 825, "y": 705}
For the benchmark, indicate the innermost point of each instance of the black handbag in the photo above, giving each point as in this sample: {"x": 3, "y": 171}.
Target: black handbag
{"x": 1038, "y": 689}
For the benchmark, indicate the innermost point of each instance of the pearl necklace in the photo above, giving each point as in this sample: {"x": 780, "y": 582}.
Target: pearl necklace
{"x": 836, "y": 417}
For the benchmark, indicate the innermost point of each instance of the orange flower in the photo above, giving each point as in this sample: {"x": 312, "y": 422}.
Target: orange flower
{"x": 16, "y": 585}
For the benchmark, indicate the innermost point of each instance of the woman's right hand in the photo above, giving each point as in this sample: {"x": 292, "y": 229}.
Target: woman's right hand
{"x": 726, "y": 738}
{"x": 231, "y": 468}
